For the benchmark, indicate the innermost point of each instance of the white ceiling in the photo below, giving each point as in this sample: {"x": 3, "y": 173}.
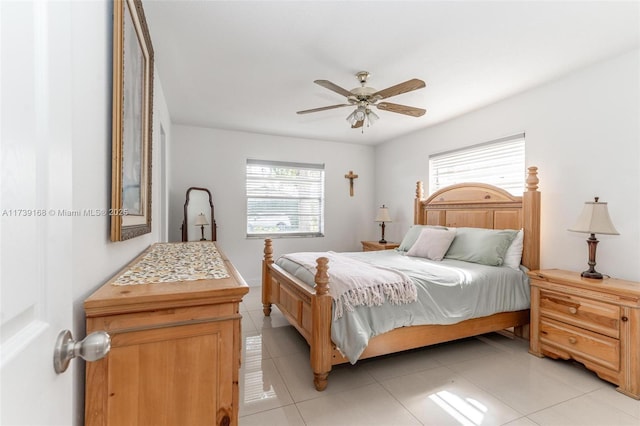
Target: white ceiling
{"x": 250, "y": 66}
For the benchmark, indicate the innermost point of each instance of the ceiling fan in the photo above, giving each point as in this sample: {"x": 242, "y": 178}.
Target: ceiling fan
{"x": 363, "y": 98}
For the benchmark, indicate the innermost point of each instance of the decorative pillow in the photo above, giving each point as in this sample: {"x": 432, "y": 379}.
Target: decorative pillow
{"x": 412, "y": 235}
{"x": 513, "y": 256}
{"x": 432, "y": 243}
{"x": 479, "y": 245}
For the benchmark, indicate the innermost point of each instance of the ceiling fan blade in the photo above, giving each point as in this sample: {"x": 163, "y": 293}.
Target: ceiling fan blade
{"x": 334, "y": 87}
{"x": 401, "y": 109}
{"x": 405, "y": 87}
{"x": 358, "y": 124}
{"x": 307, "y": 111}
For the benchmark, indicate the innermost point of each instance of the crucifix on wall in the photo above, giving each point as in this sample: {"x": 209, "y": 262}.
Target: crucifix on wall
{"x": 351, "y": 177}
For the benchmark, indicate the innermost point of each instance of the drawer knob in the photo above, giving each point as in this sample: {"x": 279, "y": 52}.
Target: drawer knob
{"x": 624, "y": 319}
{"x": 573, "y": 310}
{"x": 572, "y": 340}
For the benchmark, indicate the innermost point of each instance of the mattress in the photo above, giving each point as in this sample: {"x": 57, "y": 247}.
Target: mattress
{"x": 449, "y": 291}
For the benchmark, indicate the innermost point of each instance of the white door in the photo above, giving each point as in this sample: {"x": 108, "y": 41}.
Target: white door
{"x": 35, "y": 189}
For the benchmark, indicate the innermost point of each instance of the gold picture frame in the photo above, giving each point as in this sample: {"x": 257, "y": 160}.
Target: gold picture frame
{"x": 132, "y": 122}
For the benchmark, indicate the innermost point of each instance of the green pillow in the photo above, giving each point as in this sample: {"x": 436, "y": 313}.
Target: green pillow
{"x": 412, "y": 235}
{"x": 479, "y": 245}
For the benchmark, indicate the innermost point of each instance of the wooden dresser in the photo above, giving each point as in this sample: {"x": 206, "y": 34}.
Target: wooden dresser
{"x": 175, "y": 342}
{"x": 595, "y": 322}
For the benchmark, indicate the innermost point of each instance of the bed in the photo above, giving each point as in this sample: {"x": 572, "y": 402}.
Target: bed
{"x": 311, "y": 309}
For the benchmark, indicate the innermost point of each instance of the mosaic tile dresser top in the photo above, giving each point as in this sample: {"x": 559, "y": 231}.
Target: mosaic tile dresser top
{"x": 175, "y": 262}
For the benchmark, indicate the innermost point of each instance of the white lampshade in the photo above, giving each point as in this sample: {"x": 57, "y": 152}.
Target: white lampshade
{"x": 594, "y": 219}
{"x": 201, "y": 220}
{"x": 383, "y": 215}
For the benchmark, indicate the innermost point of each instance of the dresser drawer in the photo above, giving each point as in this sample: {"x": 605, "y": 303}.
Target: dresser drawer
{"x": 581, "y": 344}
{"x": 597, "y": 316}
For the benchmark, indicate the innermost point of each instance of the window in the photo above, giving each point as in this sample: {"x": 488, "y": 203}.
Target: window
{"x": 285, "y": 199}
{"x": 499, "y": 163}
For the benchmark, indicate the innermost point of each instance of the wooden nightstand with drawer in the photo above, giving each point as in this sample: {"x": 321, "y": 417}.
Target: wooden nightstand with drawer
{"x": 595, "y": 322}
{"x": 375, "y": 246}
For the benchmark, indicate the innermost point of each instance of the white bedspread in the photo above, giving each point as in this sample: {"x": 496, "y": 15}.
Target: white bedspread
{"x": 353, "y": 282}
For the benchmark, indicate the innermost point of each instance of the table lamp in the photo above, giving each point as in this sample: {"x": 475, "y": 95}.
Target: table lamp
{"x": 201, "y": 221}
{"x": 594, "y": 219}
{"x": 383, "y": 216}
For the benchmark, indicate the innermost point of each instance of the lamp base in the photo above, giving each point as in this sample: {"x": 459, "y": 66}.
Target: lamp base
{"x": 592, "y": 242}
{"x": 592, "y": 274}
{"x": 382, "y": 240}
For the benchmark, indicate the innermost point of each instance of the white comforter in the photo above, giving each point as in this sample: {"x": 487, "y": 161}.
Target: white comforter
{"x": 353, "y": 282}
{"x": 449, "y": 291}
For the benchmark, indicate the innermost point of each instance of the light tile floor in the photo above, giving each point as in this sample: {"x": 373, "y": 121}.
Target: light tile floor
{"x": 486, "y": 380}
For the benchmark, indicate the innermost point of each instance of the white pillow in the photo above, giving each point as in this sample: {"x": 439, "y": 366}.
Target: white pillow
{"x": 513, "y": 256}
{"x": 412, "y": 235}
{"x": 432, "y": 243}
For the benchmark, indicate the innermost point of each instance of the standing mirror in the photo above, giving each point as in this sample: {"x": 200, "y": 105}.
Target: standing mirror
{"x": 199, "y": 223}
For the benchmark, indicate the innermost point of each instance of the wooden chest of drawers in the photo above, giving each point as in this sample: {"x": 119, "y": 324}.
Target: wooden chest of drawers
{"x": 175, "y": 346}
{"x": 595, "y": 322}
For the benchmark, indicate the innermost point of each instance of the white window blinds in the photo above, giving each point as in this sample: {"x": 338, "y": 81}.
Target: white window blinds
{"x": 285, "y": 198}
{"x": 499, "y": 162}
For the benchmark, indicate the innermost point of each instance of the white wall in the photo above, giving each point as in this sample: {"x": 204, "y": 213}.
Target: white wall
{"x": 582, "y": 131}
{"x": 216, "y": 159}
{"x": 95, "y": 257}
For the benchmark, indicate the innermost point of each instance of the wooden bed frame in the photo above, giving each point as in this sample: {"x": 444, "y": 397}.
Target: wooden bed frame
{"x": 463, "y": 205}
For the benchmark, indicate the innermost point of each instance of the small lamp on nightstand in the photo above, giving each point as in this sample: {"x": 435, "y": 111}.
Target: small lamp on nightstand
{"x": 383, "y": 216}
{"x": 201, "y": 221}
{"x": 594, "y": 219}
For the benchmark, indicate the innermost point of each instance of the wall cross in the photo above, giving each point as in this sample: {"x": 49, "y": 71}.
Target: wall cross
{"x": 351, "y": 177}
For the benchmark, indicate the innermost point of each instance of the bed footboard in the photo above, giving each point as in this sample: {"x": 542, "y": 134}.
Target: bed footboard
{"x": 308, "y": 310}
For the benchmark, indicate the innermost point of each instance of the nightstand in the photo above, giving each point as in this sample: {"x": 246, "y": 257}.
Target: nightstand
{"x": 595, "y": 322}
{"x": 375, "y": 246}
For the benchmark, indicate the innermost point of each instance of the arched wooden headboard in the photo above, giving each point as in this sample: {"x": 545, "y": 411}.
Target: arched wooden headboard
{"x": 478, "y": 205}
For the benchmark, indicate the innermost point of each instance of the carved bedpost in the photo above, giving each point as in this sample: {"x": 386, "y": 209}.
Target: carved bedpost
{"x": 417, "y": 214}
{"x": 321, "y": 346}
{"x": 531, "y": 221}
{"x": 266, "y": 277}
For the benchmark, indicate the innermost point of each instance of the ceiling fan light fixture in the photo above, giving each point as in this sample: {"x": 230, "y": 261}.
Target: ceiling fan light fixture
{"x": 351, "y": 118}
{"x": 364, "y": 97}
{"x": 372, "y": 117}
{"x": 359, "y": 114}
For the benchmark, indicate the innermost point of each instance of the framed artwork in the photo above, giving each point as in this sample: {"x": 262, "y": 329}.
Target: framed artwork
{"x": 132, "y": 122}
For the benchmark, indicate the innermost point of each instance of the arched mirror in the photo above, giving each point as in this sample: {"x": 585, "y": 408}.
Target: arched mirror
{"x": 199, "y": 223}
